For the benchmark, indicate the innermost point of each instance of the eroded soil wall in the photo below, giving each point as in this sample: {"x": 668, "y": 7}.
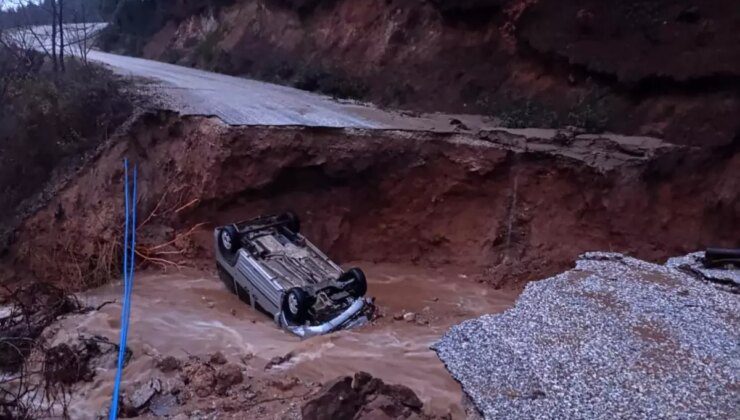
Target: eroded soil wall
{"x": 431, "y": 199}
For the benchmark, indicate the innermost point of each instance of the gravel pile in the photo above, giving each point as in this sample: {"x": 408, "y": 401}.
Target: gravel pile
{"x": 615, "y": 337}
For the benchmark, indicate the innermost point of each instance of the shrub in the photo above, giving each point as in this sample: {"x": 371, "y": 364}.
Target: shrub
{"x": 329, "y": 82}
{"x": 207, "y": 52}
{"x": 527, "y": 113}
{"x": 590, "y": 113}
{"x": 47, "y": 119}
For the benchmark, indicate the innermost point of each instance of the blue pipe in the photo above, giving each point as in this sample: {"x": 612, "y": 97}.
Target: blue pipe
{"x": 131, "y": 260}
{"x": 129, "y": 256}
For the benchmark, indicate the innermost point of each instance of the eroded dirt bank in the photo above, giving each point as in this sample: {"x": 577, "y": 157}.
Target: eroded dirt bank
{"x": 502, "y": 207}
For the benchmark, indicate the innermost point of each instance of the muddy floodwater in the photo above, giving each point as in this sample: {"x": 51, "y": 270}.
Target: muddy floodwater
{"x": 190, "y": 312}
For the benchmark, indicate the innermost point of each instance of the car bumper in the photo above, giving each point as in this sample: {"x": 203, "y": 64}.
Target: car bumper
{"x": 351, "y": 317}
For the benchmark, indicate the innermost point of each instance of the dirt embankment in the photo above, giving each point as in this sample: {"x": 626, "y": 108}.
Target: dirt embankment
{"x": 508, "y": 208}
{"x": 662, "y": 68}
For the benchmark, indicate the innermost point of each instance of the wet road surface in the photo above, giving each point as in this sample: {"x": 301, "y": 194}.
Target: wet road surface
{"x": 241, "y": 101}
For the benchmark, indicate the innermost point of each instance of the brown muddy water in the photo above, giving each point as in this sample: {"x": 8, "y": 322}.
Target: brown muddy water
{"x": 190, "y": 313}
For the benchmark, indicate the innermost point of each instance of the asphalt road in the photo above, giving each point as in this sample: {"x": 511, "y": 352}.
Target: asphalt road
{"x": 241, "y": 101}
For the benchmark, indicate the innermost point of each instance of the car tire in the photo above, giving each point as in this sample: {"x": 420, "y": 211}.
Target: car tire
{"x": 354, "y": 282}
{"x": 296, "y": 304}
{"x": 292, "y": 222}
{"x": 228, "y": 243}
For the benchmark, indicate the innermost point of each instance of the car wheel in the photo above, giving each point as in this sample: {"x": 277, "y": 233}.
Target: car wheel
{"x": 354, "y": 282}
{"x": 296, "y": 304}
{"x": 292, "y": 222}
{"x": 228, "y": 243}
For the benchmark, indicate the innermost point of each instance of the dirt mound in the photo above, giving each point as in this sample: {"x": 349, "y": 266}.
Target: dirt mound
{"x": 207, "y": 379}
{"x": 200, "y": 387}
{"x": 500, "y": 205}
{"x": 363, "y": 397}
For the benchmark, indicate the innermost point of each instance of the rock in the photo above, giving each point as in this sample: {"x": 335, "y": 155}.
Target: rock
{"x": 563, "y": 138}
{"x": 173, "y": 385}
{"x": 78, "y": 359}
{"x": 382, "y": 407}
{"x": 218, "y": 358}
{"x": 373, "y": 387}
{"x": 199, "y": 377}
{"x": 458, "y": 124}
{"x": 168, "y": 364}
{"x": 287, "y": 384}
{"x": 409, "y": 317}
{"x": 404, "y": 395}
{"x": 143, "y": 394}
{"x": 336, "y": 400}
{"x": 363, "y": 397}
{"x": 360, "y": 380}
{"x": 228, "y": 376}
{"x": 134, "y": 403}
{"x": 278, "y": 360}
{"x": 398, "y": 316}
{"x": 247, "y": 358}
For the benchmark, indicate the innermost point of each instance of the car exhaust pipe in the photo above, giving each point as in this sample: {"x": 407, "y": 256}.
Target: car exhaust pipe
{"x": 304, "y": 331}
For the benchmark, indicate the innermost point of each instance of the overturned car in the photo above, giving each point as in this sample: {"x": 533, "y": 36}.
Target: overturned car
{"x": 268, "y": 263}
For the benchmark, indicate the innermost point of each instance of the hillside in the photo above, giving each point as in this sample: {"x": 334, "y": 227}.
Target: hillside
{"x": 669, "y": 69}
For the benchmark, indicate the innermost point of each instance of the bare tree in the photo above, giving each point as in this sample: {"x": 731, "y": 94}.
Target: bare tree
{"x": 80, "y": 35}
{"x": 26, "y": 389}
{"x": 16, "y": 57}
{"x": 49, "y": 39}
{"x": 54, "y": 12}
{"x": 60, "y": 15}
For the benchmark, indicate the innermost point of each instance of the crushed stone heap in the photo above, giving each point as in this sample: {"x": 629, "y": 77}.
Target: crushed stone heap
{"x": 615, "y": 337}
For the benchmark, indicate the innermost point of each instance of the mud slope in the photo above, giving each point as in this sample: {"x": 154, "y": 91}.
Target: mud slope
{"x": 508, "y": 207}
{"x": 662, "y": 68}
